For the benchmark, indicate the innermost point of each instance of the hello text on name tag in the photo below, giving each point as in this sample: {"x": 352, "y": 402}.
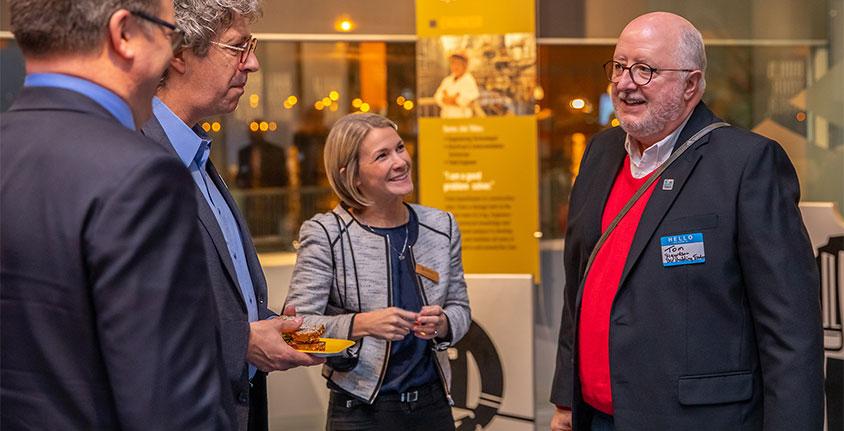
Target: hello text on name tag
{"x": 683, "y": 249}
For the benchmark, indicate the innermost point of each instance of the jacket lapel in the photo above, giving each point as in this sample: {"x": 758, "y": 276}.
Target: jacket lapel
{"x": 600, "y": 181}
{"x": 212, "y": 228}
{"x": 661, "y": 200}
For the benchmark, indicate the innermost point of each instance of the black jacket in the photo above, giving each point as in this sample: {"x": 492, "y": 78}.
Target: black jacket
{"x": 734, "y": 343}
{"x": 104, "y": 321}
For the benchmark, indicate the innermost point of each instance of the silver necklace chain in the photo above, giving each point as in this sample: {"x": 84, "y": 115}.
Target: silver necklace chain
{"x": 403, "y": 247}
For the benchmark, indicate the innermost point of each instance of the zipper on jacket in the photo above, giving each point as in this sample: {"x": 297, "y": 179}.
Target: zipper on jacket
{"x": 432, "y": 343}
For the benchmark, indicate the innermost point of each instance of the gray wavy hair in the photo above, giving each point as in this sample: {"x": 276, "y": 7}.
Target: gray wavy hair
{"x": 201, "y": 20}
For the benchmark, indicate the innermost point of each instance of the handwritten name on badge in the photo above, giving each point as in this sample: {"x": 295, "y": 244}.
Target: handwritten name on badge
{"x": 683, "y": 249}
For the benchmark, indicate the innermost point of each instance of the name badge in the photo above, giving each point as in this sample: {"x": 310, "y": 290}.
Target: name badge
{"x": 684, "y": 249}
{"x": 428, "y": 273}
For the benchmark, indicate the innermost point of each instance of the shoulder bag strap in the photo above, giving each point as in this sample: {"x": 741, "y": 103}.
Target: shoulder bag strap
{"x": 674, "y": 156}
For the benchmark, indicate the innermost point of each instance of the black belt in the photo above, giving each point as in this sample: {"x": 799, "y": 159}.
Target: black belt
{"x": 430, "y": 391}
{"x": 413, "y": 395}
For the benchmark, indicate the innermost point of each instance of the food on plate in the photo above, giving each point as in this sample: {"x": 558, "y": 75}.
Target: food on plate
{"x": 306, "y": 338}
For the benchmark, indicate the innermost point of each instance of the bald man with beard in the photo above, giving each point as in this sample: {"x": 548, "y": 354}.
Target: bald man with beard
{"x": 700, "y": 310}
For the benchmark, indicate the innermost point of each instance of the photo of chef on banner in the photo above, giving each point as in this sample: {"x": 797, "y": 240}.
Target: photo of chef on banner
{"x": 476, "y": 76}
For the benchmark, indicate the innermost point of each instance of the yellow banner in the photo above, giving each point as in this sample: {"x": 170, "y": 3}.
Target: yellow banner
{"x": 476, "y": 73}
{"x": 484, "y": 170}
{"x": 446, "y": 17}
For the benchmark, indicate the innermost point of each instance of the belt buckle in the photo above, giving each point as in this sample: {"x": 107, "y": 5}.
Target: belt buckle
{"x": 410, "y": 397}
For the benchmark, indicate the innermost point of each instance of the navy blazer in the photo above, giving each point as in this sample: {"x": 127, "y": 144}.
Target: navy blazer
{"x": 233, "y": 319}
{"x": 105, "y": 325}
{"x": 733, "y": 343}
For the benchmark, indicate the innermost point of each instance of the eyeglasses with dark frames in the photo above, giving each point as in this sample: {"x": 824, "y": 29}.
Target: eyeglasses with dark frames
{"x": 176, "y": 35}
{"x": 640, "y": 73}
{"x": 245, "y": 50}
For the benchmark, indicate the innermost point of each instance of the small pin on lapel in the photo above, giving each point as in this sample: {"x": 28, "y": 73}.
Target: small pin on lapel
{"x": 668, "y": 184}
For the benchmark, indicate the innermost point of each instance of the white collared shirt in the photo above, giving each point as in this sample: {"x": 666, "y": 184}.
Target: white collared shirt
{"x": 642, "y": 164}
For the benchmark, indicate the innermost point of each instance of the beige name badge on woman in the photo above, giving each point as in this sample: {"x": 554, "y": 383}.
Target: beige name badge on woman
{"x": 428, "y": 273}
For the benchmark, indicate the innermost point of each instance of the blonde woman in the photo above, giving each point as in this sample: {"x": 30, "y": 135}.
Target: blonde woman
{"x": 384, "y": 273}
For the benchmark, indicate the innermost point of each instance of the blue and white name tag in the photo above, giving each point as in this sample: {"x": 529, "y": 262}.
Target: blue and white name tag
{"x": 684, "y": 249}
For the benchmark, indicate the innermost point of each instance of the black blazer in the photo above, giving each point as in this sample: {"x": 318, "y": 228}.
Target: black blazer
{"x": 734, "y": 343}
{"x": 104, "y": 322}
{"x": 233, "y": 320}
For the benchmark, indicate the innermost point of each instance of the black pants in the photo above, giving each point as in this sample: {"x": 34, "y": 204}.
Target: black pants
{"x": 423, "y": 409}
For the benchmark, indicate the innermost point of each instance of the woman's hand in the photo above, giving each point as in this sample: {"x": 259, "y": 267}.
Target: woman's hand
{"x": 391, "y": 323}
{"x": 431, "y": 323}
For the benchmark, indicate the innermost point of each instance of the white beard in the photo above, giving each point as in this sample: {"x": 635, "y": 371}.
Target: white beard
{"x": 657, "y": 116}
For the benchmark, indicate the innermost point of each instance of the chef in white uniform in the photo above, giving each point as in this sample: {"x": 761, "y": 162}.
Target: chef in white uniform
{"x": 458, "y": 91}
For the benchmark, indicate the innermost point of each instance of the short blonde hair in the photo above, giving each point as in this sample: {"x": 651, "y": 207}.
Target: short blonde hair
{"x": 341, "y": 154}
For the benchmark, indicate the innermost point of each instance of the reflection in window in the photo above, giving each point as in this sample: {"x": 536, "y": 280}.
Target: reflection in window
{"x": 272, "y": 145}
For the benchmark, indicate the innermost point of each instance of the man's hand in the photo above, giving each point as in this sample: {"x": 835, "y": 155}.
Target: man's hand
{"x": 391, "y": 323}
{"x": 561, "y": 421}
{"x": 432, "y": 322}
{"x": 267, "y": 350}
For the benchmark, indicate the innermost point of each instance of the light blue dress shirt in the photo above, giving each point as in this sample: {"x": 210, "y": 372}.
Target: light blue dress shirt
{"x": 193, "y": 148}
{"x": 103, "y": 96}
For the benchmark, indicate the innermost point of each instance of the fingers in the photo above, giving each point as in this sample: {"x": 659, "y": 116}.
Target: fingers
{"x": 401, "y": 322}
{"x": 561, "y": 421}
{"x": 396, "y": 336}
{"x": 398, "y": 329}
{"x": 286, "y": 323}
{"x": 286, "y": 358}
{"x": 303, "y": 359}
{"x": 425, "y": 332}
{"x": 428, "y": 320}
{"x": 431, "y": 310}
{"x": 403, "y": 314}
{"x": 289, "y": 310}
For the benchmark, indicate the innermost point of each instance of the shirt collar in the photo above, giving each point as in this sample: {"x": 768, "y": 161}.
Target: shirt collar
{"x": 643, "y": 163}
{"x": 191, "y": 144}
{"x": 103, "y": 96}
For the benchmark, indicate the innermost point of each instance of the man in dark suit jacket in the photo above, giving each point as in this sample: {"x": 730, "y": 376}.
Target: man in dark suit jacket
{"x": 105, "y": 324}
{"x": 206, "y": 78}
{"x": 701, "y": 310}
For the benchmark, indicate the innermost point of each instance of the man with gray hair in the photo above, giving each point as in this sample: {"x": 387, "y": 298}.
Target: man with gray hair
{"x": 105, "y": 322}
{"x": 207, "y": 77}
{"x": 691, "y": 297}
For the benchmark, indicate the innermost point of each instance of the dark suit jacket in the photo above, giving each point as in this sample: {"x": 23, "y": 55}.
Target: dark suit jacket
{"x": 104, "y": 323}
{"x": 734, "y": 343}
{"x": 231, "y": 307}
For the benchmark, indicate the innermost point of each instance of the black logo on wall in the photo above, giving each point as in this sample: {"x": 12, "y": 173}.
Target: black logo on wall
{"x": 831, "y": 268}
{"x": 477, "y": 413}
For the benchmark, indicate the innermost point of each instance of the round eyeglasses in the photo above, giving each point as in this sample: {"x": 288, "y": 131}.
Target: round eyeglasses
{"x": 640, "y": 73}
{"x": 245, "y": 50}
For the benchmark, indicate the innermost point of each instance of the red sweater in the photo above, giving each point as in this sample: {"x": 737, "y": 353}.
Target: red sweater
{"x": 601, "y": 286}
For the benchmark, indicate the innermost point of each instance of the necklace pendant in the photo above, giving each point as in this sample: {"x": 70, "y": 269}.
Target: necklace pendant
{"x": 401, "y": 256}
